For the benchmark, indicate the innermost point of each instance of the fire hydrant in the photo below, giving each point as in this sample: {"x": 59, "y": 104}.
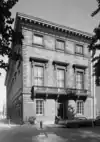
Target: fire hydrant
{"x": 41, "y": 124}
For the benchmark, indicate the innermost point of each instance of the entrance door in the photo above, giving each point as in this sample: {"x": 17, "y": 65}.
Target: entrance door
{"x": 61, "y": 110}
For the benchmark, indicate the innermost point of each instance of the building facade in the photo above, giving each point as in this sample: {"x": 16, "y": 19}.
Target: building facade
{"x": 56, "y": 67}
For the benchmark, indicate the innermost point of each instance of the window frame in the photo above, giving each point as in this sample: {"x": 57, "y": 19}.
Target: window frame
{"x": 39, "y": 65}
{"x": 60, "y": 68}
{"x": 83, "y": 78}
{"x": 79, "y": 53}
{"x": 60, "y": 40}
{"x": 80, "y": 107}
{"x": 24, "y": 29}
{"x": 38, "y": 35}
{"x": 39, "y": 108}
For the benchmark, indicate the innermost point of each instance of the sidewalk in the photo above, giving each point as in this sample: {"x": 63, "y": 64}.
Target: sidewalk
{"x": 4, "y": 123}
{"x": 46, "y": 125}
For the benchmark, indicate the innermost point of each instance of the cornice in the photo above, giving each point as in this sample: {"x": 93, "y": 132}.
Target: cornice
{"x": 36, "y": 59}
{"x": 51, "y": 25}
{"x": 60, "y": 63}
{"x": 79, "y": 66}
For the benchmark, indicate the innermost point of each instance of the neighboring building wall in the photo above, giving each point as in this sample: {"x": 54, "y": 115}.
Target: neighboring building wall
{"x": 14, "y": 91}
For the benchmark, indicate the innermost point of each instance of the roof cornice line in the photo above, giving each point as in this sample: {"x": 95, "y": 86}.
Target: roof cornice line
{"x": 45, "y": 22}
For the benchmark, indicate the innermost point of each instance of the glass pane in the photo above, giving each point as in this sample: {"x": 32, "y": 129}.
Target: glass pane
{"x": 38, "y": 39}
{"x": 35, "y": 71}
{"x": 27, "y": 36}
{"x": 57, "y": 74}
{"x": 60, "y": 74}
{"x": 41, "y": 112}
{"x": 40, "y": 82}
{"x": 60, "y": 78}
{"x": 36, "y": 110}
{"x": 79, "y": 76}
{"x": 39, "y": 107}
{"x": 80, "y": 107}
{"x": 58, "y": 84}
{"x": 35, "y": 81}
{"x": 61, "y": 84}
{"x": 38, "y": 75}
{"x": 41, "y": 102}
{"x": 37, "y": 102}
{"x": 60, "y": 45}
{"x": 40, "y": 71}
{"x": 79, "y": 80}
{"x": 78, "y": 86}
{"x": 79, "y": 49}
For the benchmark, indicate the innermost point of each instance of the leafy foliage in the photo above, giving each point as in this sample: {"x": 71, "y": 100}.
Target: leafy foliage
{"x": 97, "y": 10}
{"x": 95, "y": 48}
{"x": 8, "y": 35}
{"x": 71, "y": 112}
{"x": 32, "y": 119}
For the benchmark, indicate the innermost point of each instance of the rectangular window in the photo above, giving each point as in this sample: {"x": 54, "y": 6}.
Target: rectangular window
{"x": 80, "y": 107}
{"x": 38, "y": 75}
{"x": 60, "y": 45}
{"x": 38, "y": 39}
{"x": 27, "y": 36}
{"x": 79, "y": 49}
{"x": 79, "y": 80}
{"x": 39, "y": 107}
{"x": 61, "y": 78}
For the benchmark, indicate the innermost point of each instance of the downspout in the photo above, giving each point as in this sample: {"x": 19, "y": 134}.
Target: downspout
{"x": 93, "y": 90}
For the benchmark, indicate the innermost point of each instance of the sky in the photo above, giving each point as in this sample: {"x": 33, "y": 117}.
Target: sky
{"x": 72, "y": 13}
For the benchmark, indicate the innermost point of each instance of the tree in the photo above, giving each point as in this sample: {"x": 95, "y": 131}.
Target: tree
{"x": 8, "y": 36}
{"x": 95, "y": 47}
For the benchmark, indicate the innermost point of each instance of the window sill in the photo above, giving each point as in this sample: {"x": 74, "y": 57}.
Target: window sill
{"x": 39, "y": 114}
{"x": 79, "y": 114}
{"x": 79, "y": 54}
{"x": 56, "y": 50}
{"x": 39, "y": 45}
{"x": 59, "y": 50}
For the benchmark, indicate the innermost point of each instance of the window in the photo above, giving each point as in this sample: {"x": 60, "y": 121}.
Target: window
{"x": 79, "y": 80}
{"x": 27, "y": 36}
{"x": 79, "y": 49}
{"x": 38, "y": 39}
{"x": 80, "y": 107}
{"x": 60, "y": 44}
{"x": 38, "y": 75}
{"x": 60, "y": 78}
{"x": 40, "y": 107}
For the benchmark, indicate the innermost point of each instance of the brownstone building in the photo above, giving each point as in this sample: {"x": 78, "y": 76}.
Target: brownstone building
{"x": 56, "y": 63}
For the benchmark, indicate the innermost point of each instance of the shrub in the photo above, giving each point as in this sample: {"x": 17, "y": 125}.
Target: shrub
{"x": 32, "y": 119}
{"x": 71, "y": 112}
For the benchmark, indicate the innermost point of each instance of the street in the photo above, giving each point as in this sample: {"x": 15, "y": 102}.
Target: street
{"x": 28, "y": 133}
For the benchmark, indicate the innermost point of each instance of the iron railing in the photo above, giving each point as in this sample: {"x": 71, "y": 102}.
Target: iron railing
{"x": 56, "y": 90}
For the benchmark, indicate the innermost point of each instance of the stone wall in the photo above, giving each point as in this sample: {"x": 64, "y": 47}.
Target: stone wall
{"x": 48, "y": 52}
